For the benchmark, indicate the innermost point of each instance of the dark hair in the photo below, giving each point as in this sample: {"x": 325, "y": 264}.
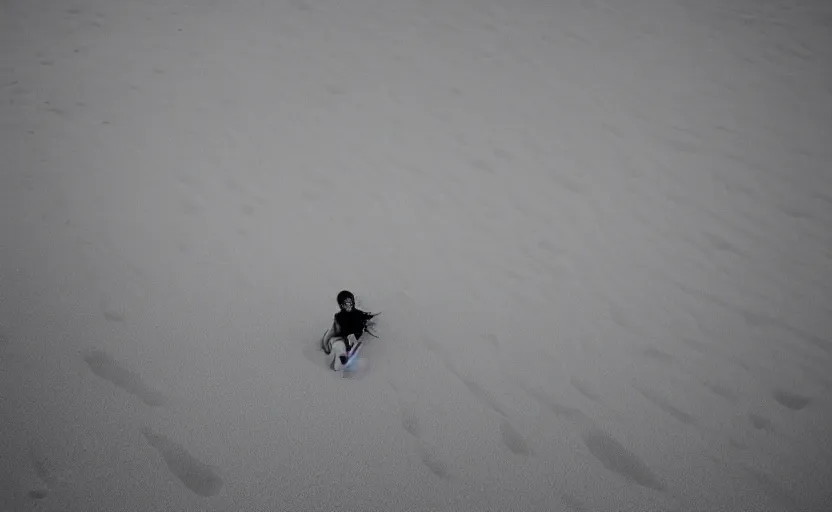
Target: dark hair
{"x": 343, "y": 295}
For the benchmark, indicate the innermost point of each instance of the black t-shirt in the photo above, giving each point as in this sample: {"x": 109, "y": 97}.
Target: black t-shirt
{"x": 352, "y": 322}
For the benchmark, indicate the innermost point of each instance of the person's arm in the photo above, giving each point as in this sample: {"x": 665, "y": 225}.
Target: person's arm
{"x": 336, "y": 327}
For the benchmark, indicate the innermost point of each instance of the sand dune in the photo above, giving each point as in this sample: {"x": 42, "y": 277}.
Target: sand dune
{"x": 599, "y": 235}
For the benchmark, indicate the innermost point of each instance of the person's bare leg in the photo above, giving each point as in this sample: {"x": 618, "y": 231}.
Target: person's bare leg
{"x": 339, "y": 348}
{"x": 326, "y": 341}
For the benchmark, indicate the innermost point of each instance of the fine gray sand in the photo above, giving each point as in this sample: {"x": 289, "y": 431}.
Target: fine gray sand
{"x": 599, "y": 233}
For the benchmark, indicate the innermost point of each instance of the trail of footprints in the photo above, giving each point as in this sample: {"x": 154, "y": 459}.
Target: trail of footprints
{"x": 784, "y": 398}
{"x": 512, "y": 439}
{"x": 410, "y": 424}
{"x": 197, "y": 476}
{"x": 608, "y": 451}
{"x": 788, "y": 399}
{"x": 194, "y": 474}
{"x": 203, "y": 480}
{"x": 43, "y": 470}
{"x": 107, "y": 368}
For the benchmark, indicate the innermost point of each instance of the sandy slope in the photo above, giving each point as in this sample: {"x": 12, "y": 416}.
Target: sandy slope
{"x": 600, "y": 236}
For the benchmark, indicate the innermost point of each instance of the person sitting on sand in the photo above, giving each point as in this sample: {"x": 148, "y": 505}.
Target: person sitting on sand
{"x": 348, "y": 325}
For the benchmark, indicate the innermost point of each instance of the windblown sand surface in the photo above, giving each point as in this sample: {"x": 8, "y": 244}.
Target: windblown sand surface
{"x": 599, "y": 233}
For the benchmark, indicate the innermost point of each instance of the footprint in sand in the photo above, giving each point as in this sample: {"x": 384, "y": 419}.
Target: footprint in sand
{"x": 773, "y": 488}
{"x": 791, "y": 400}
{"x": 492, "y": 340}
{"x": 434, "y": 464}
{"x": 657, "y": 355}
{"x": 513, "y": 440}
{"x": 194, "y": 474}
{"x": 558, "y": 409}
{"x": 760, "y": 422}
{"x": 584, "y": 389}
{"x": 38, "y": 494}
{"x": 663, "y": 357}
{"x": 410, "y": 423}
{"x": 44, "y": 468}
{"x": 409, "y": 420}
{"x": 664, "y": 404}
{"x": 618, "y": 459}
{"x": 104, "y": 366}
{"x": 484, "y": 396}
{"x": 112, "y": 315}
{"x": 696, "y": 345}
{"x": 719, "y": 390}
{"x": 758, "y": 320}
{"x": 572, "y": 503}
{"x": 45, "y": 472}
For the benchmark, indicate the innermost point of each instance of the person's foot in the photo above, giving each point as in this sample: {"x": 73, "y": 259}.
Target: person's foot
{"x": 337, "y": 362}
